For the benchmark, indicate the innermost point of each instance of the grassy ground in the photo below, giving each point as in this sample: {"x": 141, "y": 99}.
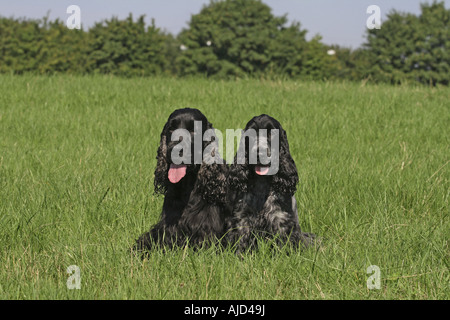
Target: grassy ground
{"x": 77, "y": 156}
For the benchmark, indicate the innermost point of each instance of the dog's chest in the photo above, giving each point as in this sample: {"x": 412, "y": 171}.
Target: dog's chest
{"x": 261, "y": 209}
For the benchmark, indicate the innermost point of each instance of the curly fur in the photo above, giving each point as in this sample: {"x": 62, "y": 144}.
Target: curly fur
{"x": 264, "y": 207}
{"x": 193, "y": 209}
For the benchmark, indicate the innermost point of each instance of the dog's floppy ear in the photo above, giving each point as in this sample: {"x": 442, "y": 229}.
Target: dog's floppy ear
{"x": 286, "y": 180}
{"x": 161, "y": 180}
{"x": 211, "y": 179}
{"x": 239, "y": 172}
{"x": 238, "y": 177}
{"x": 211, "y": 182}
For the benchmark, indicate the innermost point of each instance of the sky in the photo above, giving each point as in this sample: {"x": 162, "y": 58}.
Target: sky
{"x": 341, "y": 22}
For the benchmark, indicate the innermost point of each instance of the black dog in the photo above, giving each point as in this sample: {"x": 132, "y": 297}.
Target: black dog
{"x": 194, "y": 193}
{"x": 264, "y": 206}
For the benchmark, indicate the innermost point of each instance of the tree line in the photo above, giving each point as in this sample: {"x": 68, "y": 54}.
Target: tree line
{"x": 232, "y": 39}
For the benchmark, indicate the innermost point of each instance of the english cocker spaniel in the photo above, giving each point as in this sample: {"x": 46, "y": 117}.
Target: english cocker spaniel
{"x": 193, "y": 185}
{"x": 262, "y": 182}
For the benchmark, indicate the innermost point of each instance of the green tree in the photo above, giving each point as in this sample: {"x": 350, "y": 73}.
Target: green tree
{"x": 20, "y": 44}
{"x": 125, "y": 47}
{"x": 409, "y": 47}
{"x": 317, "y": 64}
{"x": 40, "y": 46}
{"x": 432, "y": 57}
{"x": 62, "y": 50}
{"x": 239, "y": 37}
{"x": 349, "y": 64}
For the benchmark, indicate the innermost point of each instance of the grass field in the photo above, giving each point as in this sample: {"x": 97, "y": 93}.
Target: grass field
{"x": 77, "y": 156}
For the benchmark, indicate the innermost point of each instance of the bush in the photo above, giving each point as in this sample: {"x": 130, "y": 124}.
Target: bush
{"x": 121, "y": 47}
{"x": 243, "y": 37}
{"x": 232, "y": 38}
{"x": 412, "y": 48}
{"x": 125, "y": 47}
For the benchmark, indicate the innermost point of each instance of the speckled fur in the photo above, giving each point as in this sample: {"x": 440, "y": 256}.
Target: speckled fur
{"x": 264, "y": 207}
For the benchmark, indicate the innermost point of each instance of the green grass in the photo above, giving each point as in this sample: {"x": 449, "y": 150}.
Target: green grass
{"x": 77, "y": 156}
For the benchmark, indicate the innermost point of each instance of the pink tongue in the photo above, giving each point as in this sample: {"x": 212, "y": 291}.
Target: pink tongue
{"x": 177, "y": 172}
{"x": 262, "y": 171}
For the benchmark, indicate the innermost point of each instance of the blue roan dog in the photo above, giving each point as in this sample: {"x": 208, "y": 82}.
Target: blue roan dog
{"x": 263, "y": 204}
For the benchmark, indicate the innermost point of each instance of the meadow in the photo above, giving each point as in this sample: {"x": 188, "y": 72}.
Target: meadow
{"x": 77, "y": 156}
